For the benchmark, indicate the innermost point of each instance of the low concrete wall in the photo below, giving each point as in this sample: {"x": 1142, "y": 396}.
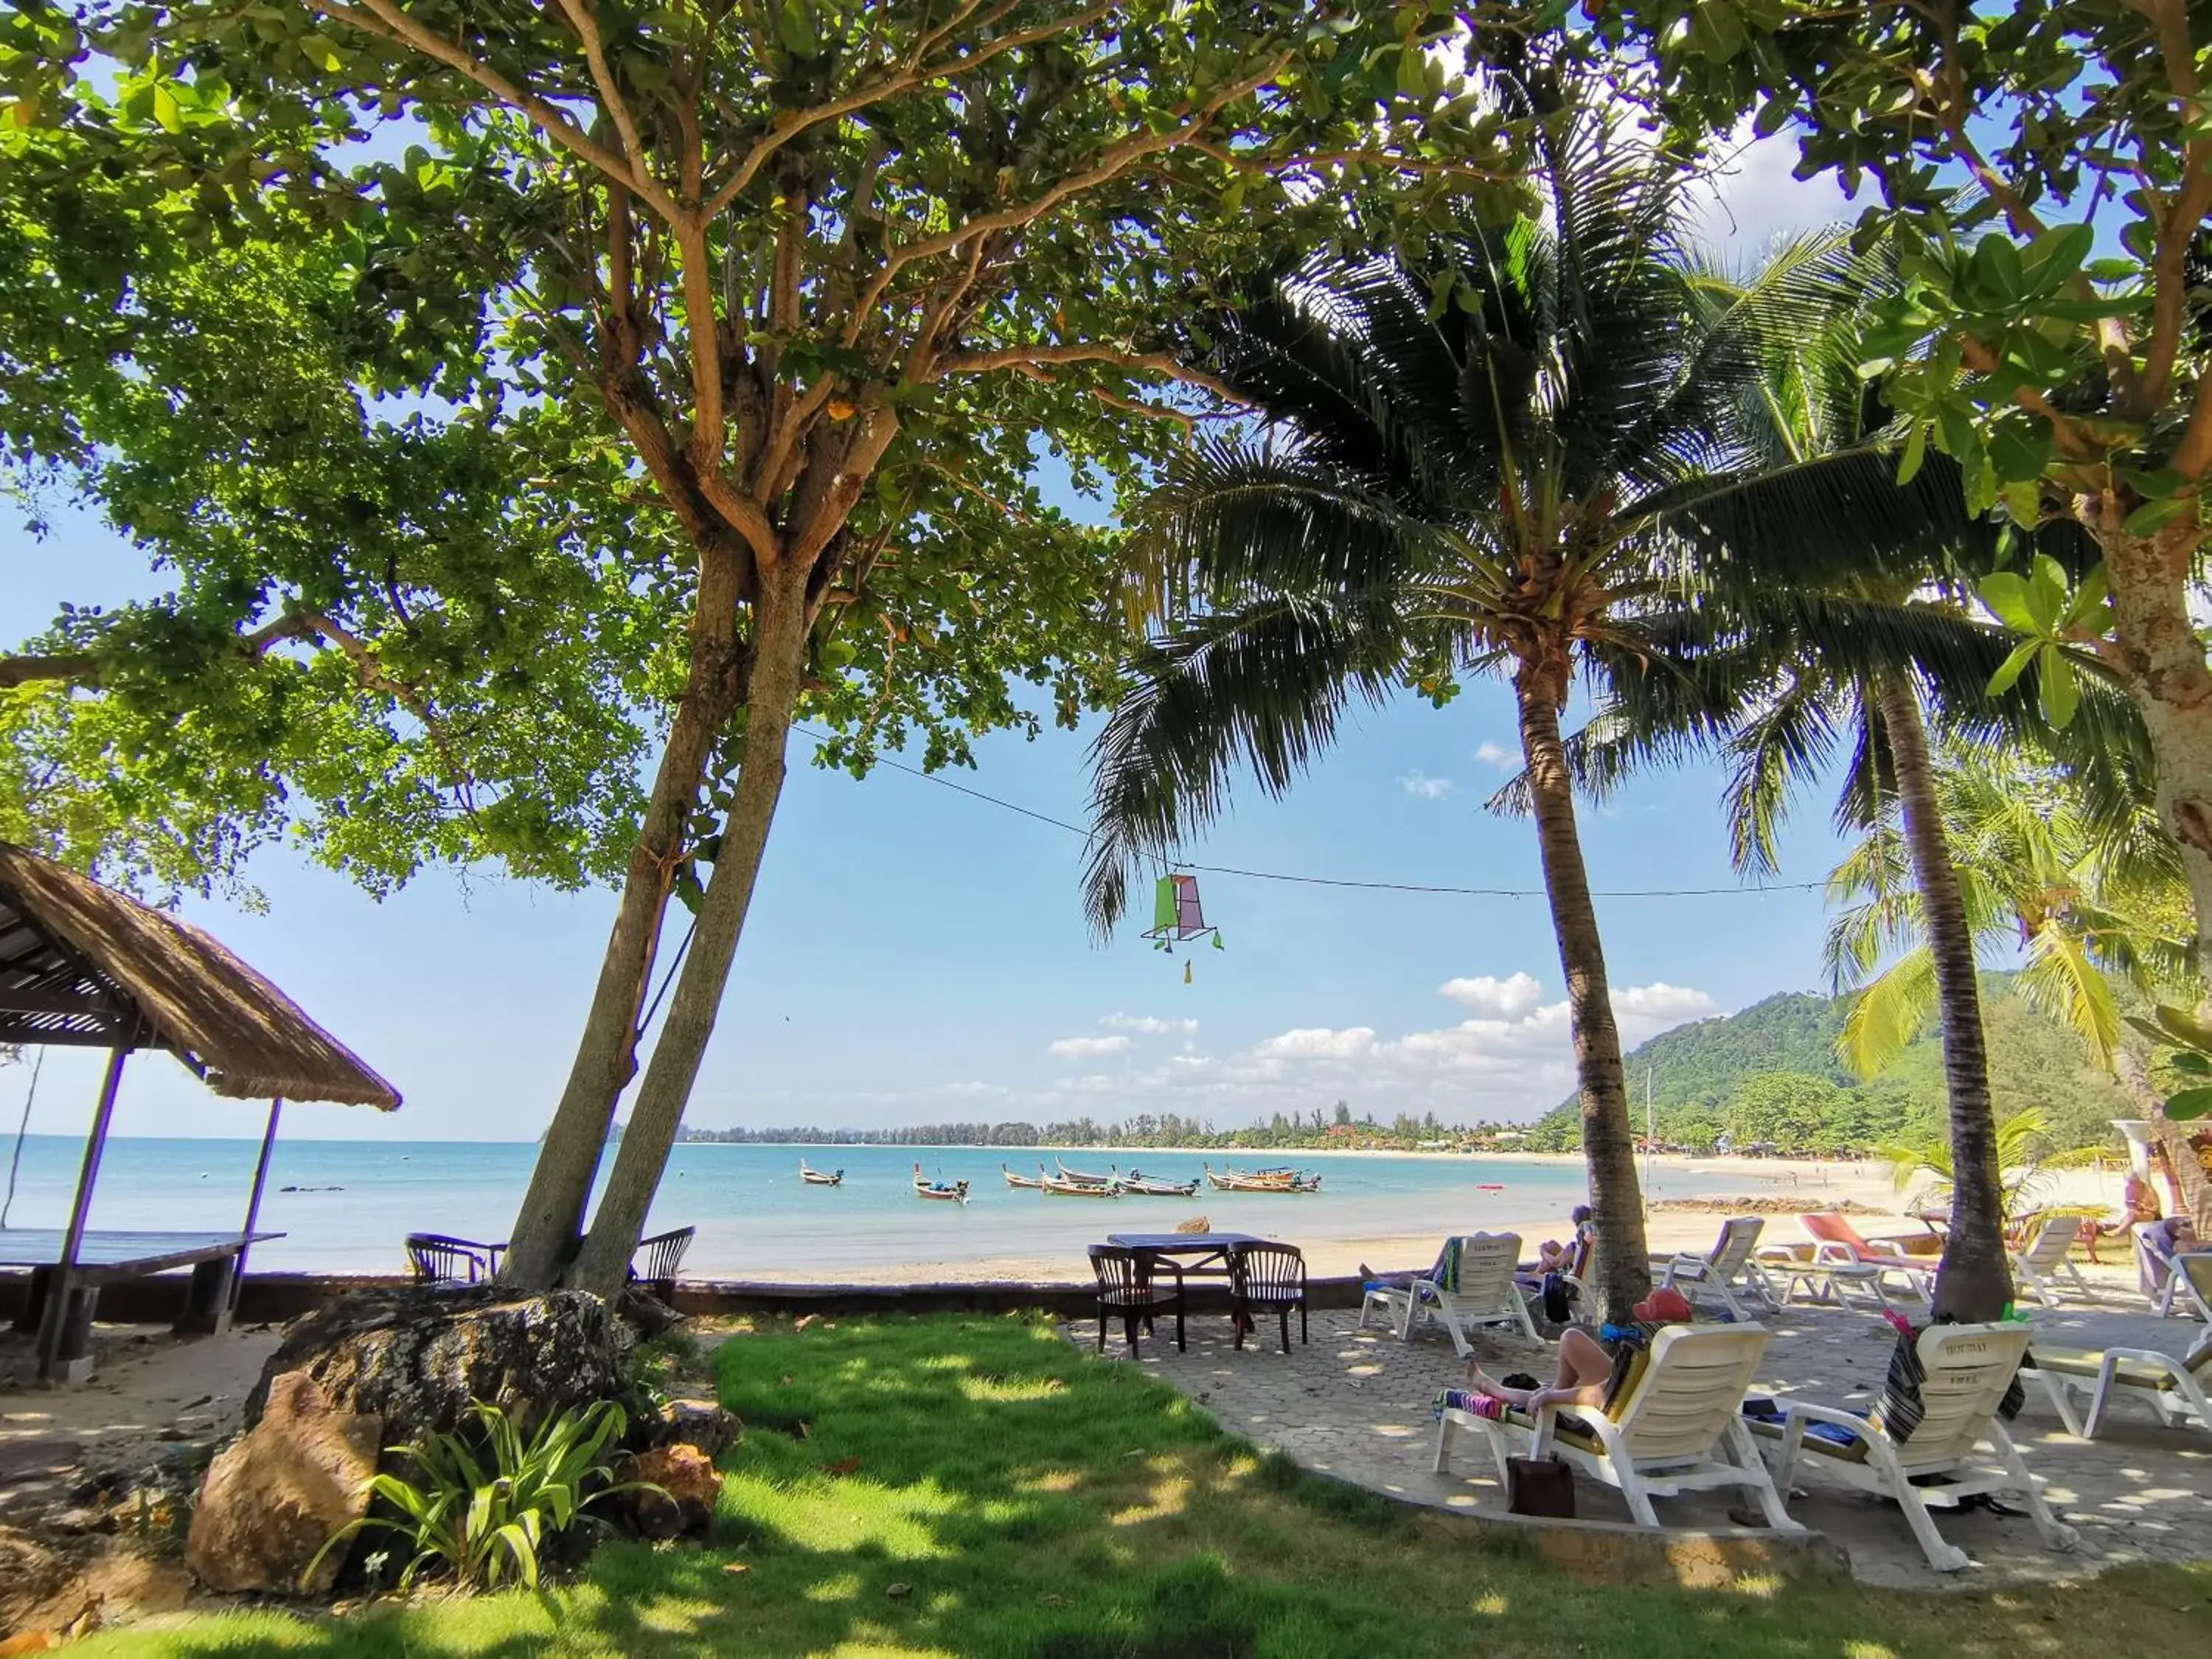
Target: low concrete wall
{"x": 273, "y": 1298}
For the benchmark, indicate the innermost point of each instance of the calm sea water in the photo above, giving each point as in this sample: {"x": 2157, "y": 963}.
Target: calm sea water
{"x": 353, "y": 1201}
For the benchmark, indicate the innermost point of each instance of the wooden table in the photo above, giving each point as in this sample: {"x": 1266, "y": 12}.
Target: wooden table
{"x": 1208, "y": 1253}
{"x": 104, "y": 1256}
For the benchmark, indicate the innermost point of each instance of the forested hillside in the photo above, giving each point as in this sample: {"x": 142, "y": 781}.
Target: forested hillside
{"x": 1770, "y": 1072}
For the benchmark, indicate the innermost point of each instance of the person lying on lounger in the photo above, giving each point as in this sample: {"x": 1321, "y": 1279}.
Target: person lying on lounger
{"x": 1589, "y": 1367}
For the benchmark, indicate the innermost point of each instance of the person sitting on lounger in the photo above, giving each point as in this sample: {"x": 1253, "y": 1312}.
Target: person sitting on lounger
{"x": 1589, "y": 1371}
{"x": 1552, "y": 1256}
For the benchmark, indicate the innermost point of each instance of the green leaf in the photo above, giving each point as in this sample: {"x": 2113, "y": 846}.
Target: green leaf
{"x": 2189, "y": 1060}
{"x": 2087, "y": 608}
{"x": 2061, "y": 693}
{"x": 2013, "y": 666}
{"x": 166, "y": 112}
{"x": 2188, "y": 1104}
{"x": 2152, "y": 515}
{"x": 2056, "y": 255}
{"x": 1916, "y": 451}
{"x": 2006, "y": 593}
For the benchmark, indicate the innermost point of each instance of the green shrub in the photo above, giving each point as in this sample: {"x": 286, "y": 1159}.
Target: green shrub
{"x": 483, "y": 1512}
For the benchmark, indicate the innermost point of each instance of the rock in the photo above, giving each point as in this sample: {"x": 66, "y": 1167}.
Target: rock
{"x": 644, "y": 1312}
{"x": 417, "y": 1357}
{"x": 699, "y": 1423}
{"x": 689, "y": 1486}
{"x": 31, "y": 1576}
{"x": 285, "y": 1489}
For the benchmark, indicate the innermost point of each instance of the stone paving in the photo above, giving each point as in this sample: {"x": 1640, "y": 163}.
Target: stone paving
{"x": 1355, "y": 1404}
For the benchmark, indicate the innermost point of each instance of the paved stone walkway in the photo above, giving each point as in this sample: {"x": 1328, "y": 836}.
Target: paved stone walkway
{"x": 1355, "y": 1404}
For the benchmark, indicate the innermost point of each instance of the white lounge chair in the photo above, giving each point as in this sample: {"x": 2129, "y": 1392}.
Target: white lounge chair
{"x": 1835, "y": 1281}
{"x": 1968, "y": 1369}
{"x": 2184, "y": 1284}
{"x": 1476, "y": 1288}
{"x": 1678, "y": 1426}
{"x": 2042, "y": 1265}
{"x": 2173, "y": 1388}
{"x": 1727, "y": 1271}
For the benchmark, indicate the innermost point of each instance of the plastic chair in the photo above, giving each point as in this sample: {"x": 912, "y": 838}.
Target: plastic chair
{"x": 1126, "y": 1286}
{"x": 1268, "y": 1278}
{"x": 438, "y": 1259}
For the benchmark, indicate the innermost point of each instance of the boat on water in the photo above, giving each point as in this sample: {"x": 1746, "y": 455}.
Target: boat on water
{"x": 1262, "y": 1181}
{"x": 1490, "y": 1187}
{"x": 1153, "y": 1187}
{"x": 820, "y": 1178}
{"x": 1067, "y": 1188}
{"x": 1033, "y": 1182}
{"x": 952, "y": 1192}
{"x": 1077, "y": 1177}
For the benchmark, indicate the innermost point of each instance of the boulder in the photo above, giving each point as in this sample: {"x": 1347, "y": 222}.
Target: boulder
{"x": 699, "y": 1423}
{"x": 417, "y": 1357}
{"x": 31, "y": 1576}
{"x": 282, "y": 1490}
{"x": 689, "y": 1485}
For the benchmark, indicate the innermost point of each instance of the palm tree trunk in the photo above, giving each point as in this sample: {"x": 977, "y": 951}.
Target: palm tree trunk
{"x": 1622, "y": 1271}
{"x": 1974, "y": 1281}
{"x": 772, "y": 696}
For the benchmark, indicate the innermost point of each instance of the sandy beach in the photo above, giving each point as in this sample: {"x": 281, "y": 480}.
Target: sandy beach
{"x": 1683, "y": 1224}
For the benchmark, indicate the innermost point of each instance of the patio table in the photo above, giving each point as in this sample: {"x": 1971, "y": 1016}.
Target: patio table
{"x": 1205, "y": 1254}
{"x": 105, "y": 1256}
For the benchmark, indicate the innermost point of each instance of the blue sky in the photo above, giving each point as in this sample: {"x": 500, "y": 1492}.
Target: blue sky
{"x": 915, "y": 955}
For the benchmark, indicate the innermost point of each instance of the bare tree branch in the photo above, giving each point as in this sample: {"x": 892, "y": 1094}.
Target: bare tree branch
{"x": 1040, "y": 355}
{"x": 585, "y": 20}
{"x": 83, "y": 668}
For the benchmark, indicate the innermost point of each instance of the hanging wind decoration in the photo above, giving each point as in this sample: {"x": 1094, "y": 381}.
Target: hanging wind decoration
{"x": 1178, "y": 918}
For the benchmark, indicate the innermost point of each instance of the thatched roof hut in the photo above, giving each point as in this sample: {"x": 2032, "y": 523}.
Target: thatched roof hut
{"x": 82, "y": 964}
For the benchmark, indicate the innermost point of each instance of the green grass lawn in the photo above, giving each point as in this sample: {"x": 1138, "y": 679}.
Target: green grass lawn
{"x": 1025, "y": 1499}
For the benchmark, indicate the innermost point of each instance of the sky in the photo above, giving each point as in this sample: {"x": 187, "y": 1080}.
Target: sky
{"x": 917, "y": 955}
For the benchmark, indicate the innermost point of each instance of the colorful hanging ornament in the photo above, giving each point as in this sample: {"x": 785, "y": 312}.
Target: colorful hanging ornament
{"x": 1178, "y": 917}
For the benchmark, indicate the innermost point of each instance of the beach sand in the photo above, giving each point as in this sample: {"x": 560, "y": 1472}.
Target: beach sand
{"x": 1821, "y": 1183}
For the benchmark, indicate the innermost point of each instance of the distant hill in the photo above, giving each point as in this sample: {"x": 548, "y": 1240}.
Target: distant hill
{"x": 1695, "y": 1070}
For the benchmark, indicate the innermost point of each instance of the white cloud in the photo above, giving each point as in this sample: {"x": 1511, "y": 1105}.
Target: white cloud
{"x": 1497, "y": 755}
{"x": 1421, "y": 786}
{"x": 1505, "y": 999}
{"x": 1086, "y": 1048}
{"x": 1150, "y": 1025}
{"x": 1753, "y": 198}
{"x": 1317, "y": 1042}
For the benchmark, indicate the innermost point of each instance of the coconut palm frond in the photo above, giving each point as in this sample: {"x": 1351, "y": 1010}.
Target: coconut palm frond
{"x": 2061, "y": 980}
{"x": 1889, "y": 1014}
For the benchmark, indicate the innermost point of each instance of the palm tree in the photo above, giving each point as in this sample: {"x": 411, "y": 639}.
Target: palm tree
{"x": 2084, "y": 909}
{"x": 1490, "y": 453}
{"x": 1778, "y": 673}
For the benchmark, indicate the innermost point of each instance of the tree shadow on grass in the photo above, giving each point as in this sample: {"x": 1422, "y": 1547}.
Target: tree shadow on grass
{"x": 978, "y": 1486}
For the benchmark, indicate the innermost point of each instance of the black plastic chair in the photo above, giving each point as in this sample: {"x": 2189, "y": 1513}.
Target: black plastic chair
{"x": 1126, "y": 1286}
{"x": 662, "y": 1255}
{"x": 440, "y": 1259}
{"x": 1268, "y": 1278}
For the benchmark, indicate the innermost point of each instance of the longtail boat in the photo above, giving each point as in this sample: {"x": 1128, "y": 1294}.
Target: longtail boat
{"x": 1030, "y": 1182}
{"x": 1262, "y": 1181}
{"x": 952, "y": 1192}
{"x": 820, "y": 1178}
{"x": 1153, "y": 1187}
{"x": 1067, "y": 1188}
{"x": 1077, "y": 1177}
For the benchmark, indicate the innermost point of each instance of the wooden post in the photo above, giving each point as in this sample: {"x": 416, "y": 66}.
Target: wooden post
{"x": 253, "y": 1204}
{"x": 57, "y": 1320}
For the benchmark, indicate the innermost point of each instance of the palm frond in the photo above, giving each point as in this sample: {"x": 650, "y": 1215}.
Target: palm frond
{"x": 1889, "y": 1014}
{"x": 2060, "y": 982}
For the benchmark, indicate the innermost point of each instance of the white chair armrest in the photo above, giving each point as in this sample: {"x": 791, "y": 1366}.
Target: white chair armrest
{"x": 1829, "y": 1251}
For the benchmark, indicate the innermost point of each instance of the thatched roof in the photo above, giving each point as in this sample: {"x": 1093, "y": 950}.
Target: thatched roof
{"x": 82, "y": 963}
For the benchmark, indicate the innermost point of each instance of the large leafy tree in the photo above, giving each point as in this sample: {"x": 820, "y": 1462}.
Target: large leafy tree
{"x": 2068, "y": 387}
{"x": 809, "y": 279}
{"x": 1490, "y": 452}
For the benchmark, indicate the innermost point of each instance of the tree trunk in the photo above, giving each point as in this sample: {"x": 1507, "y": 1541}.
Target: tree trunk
{"x": 545, "y": 1233}
{"x": 1974, "y": 1281}
{"x": 1622, "y": 1272}
{"x": 772, "y": 696}
{"x": 2160, "y": 658}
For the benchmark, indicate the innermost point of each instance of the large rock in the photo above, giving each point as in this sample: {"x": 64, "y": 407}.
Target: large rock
{"x": 699, "y": 1423}
{"x": 688, "y": 1484}
{"x": 285, "y": 1489}
{"x": 417, "y": 1358}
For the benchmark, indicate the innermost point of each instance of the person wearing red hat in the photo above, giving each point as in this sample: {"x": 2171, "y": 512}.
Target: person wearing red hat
{"x": 1588, "y": 1367}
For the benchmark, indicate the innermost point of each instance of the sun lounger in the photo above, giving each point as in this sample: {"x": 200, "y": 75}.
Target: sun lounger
{"x": 2184, "y": 1278}
{"x": 2173, "y": 1388}
{"x": 1676, "y": 1427}
{"x": 1967, "y": 1369}
{"x": 1837, "y": 1279}
{"x": 2041, "y": 1266}
{"x": 1728, "y": 1272}
{"x": 1476, "y": 1288}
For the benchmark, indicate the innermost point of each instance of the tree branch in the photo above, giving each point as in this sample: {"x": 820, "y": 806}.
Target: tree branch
{"x": 790, "y": 124}
{"x": 83, "y": 668}
{"x": 1112, "y": 163}
{"x": 1030, "y": 357}
{"x": 586, "y": 22}
{"x": 2184, "y": 216}
{"x": 387, "y": 22}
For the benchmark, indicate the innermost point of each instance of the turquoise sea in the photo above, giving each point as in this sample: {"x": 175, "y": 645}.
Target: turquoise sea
{"x": 344, "y": 1205}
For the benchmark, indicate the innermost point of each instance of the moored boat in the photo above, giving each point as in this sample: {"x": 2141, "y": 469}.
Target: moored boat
{"x": 1030, "y": 1182}
{"x": 1262, "y": 1181}
{"x": 1154, "y": 1187}
{"x": 952, "y": 1192}
{"x": 1079, "y": 1178}
{"x": 820, "y": 1178}
{"x": 1067, "y": 1188}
